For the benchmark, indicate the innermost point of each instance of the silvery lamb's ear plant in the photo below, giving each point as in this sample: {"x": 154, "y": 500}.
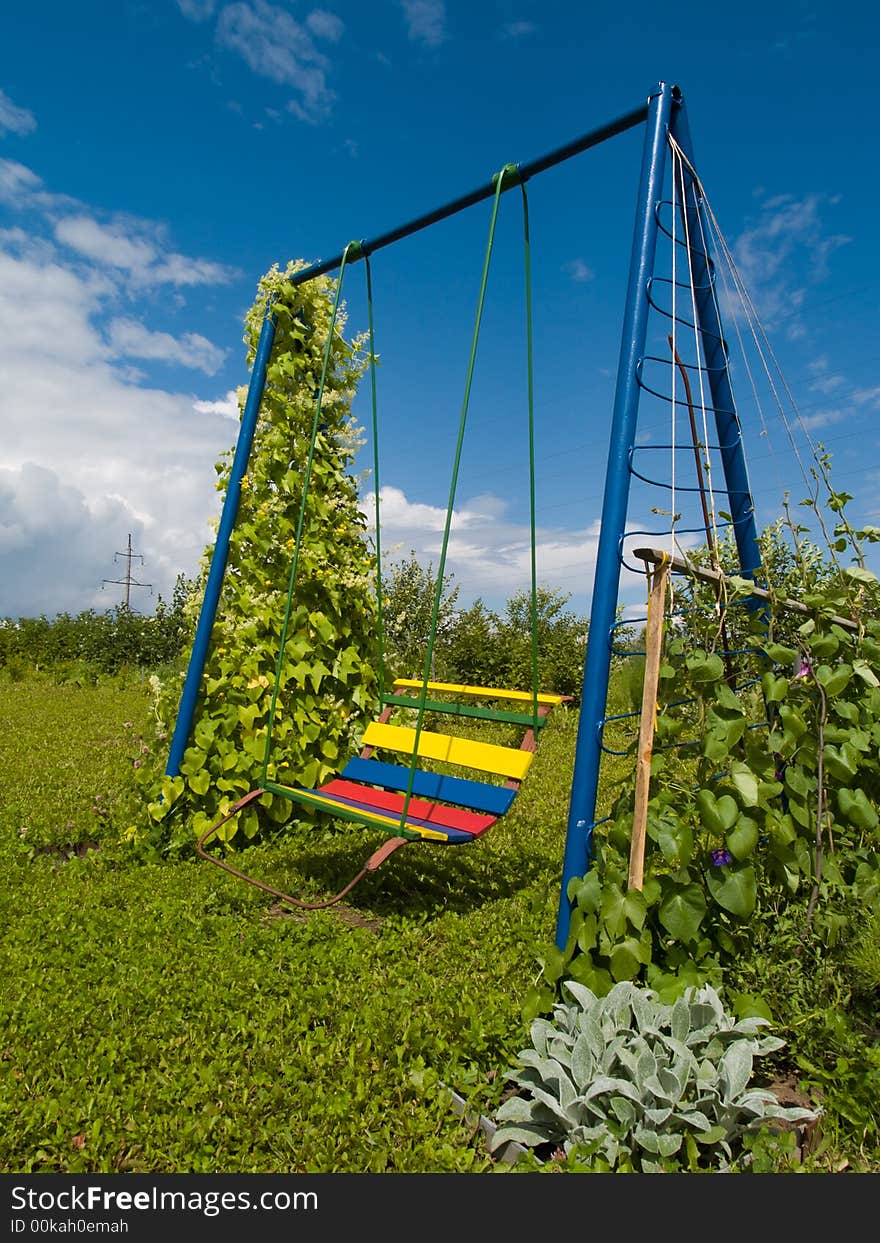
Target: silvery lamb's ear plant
{"x": 634, "y": 1083}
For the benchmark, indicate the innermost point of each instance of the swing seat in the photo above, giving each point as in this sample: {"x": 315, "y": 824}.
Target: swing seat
{"x": 442, "y": 808}
{"x": 456, "y": 809}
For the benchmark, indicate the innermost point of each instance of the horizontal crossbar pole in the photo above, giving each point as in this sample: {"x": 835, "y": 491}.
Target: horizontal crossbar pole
{"x": 518, "y": 174}
{"x": 655, "y": 557}
{"x": 449, "y": 708}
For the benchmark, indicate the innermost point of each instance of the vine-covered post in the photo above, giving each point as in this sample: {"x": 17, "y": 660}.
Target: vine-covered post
{"x": 653, "y": 651}
{"x": 198, "y": 655}
{"x": 588, "y": 752}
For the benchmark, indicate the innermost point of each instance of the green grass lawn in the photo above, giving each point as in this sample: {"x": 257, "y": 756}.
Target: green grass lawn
{"x": 165, "y": 1017}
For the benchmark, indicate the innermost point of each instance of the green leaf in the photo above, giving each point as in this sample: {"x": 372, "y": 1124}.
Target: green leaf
{"x": 537, "y": 1001}
{"x": 717, "y": 815}
{"x": 750, "y": 1006}
{"x": 553, "y": 963}
{"x": 834, "y": 681}
{"x": 200, "y": 782}
{"x": 247, "y": 715}
{"x": 855, "y": 808}
{"x": 636, "y": 908}
{"x": 860, "y": 575}
{"x": 863, "y": 670}
{"x": 625, "y": 960}
{"x": 682, "y": 912}
{"x": 704, "y": 667}
{"x": 775, "y": 689}
{"x": 780, "y": 654}
{"x": 734, "y": 888}
{"x": 743, "y": 838}
{"x": 841, "y": 762}
{"x": 613, "y": 911}
{"x": 676, "y": 841}
{"x": 586, "y": 891}
{"x": 746, "y": 784}
{"x": 728, "y": 811}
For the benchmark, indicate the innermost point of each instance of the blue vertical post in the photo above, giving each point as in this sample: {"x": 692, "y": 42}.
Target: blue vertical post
{"x": 588, "y": 751}
{"x": 716, "y": 358}
{"x": 190, "y": 693}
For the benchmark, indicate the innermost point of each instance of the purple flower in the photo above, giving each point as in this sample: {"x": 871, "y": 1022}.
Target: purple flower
{"x": 137, "y": 763}
{"x": 721, "y": 858}
{"x": 801, "y": 668}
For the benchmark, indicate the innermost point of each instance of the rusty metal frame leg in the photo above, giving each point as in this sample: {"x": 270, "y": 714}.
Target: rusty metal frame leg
{"x": 376, "y": 859}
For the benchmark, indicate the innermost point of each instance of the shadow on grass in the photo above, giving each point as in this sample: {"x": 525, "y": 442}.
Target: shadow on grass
{"x": 421, "y": 880}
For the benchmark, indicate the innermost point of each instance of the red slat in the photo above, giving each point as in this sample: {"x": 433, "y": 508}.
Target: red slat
{"x": 435, "y": 813}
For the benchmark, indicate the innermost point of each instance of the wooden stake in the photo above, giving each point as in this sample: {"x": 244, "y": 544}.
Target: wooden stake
{"x": 653, "y": 647}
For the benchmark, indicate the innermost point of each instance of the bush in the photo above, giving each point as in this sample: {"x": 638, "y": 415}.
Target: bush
{"x": 92, "y": 644}
{"x": 627, "y": 1083}
{"x": 316, "y": 688}
{"x": 477, "y": 646}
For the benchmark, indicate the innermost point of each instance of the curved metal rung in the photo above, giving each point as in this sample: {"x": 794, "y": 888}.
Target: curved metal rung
{"x": 375, "y": 860}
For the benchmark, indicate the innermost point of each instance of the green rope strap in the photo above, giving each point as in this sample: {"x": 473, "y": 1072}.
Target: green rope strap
{"x": 353, "y": 249}
{"x": 379, "y": 592}
{"x": 438, "y": 590}
{"x": 531, "y": 401}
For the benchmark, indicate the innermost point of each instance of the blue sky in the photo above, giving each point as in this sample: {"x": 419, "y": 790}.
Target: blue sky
{"x": 157, "y": 158}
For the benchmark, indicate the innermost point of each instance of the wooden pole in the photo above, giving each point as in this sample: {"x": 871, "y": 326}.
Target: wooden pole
{"x": 653, "y": 647}
{"x": 655, "y": 556}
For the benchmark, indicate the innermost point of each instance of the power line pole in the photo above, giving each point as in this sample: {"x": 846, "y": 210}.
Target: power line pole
{"x": 128, "y": 582}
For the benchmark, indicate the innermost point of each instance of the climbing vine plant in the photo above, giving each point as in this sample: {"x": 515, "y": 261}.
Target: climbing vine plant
{"x": 327, "y": 680}
{"x": 764, "y": 787}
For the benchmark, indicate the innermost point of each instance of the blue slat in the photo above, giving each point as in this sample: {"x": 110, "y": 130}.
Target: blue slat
{"x": 477, "y": 795}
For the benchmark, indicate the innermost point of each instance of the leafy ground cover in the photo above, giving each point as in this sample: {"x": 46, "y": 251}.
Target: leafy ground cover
{"x": 161, "y": 1017}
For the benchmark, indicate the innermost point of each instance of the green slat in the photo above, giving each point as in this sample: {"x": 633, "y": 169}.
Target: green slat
{"x": 456, "y": 709}
{"x": 338, "y": 811}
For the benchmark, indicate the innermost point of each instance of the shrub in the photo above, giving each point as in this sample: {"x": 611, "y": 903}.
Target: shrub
{"x": 630, "y": 1083}
{"x": 326, "y": 682}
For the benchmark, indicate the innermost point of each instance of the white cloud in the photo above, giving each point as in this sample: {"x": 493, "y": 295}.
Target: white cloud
{"x": 15, "y": 120}
{"x": 105, "y": 245}
{"x": 578, "y": 271}
{"x": 821, "y": 418}
{"x": 275, "y": 46}
{"x": 131, "y": 339}
{"x": 325, "y": 25}
{"x": 197, "y": 10}
{"x": 93, "y": 453}
{"x": 227, "y": 406}
{"x": 54, "y": 545}
{"x": 785, "y": 251}
{"x": 824, "y": 381}
{"x": 489, "y": 555}
{"x": 22, "y": 189}
{"x": 863, "y": 395}
{"x": 141, "y": 257}
{"x": 426, "y": 21}
{"x": 18, "y": 184}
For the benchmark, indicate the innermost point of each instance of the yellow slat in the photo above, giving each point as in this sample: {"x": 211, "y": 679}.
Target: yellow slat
{"x": 484, "y": 692}
{"x": 485, "y": 756}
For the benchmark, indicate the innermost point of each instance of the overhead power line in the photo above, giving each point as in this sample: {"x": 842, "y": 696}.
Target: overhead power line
{"x": 128, "y": 582}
